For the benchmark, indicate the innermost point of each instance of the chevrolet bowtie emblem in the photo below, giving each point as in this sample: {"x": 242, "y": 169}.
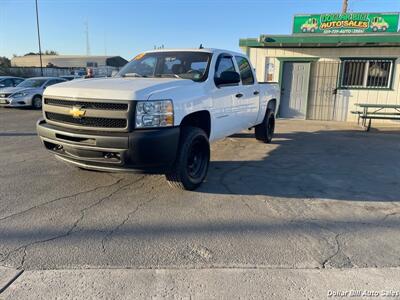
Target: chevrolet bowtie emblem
{"x": 77, "y": 112}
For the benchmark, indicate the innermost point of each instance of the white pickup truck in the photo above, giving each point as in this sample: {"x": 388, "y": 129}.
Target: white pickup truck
{"x": 158, "y": 114}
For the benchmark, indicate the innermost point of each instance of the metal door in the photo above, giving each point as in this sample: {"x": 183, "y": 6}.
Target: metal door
{"x": 325, "y": 103}
{"x": 294, "y": 96}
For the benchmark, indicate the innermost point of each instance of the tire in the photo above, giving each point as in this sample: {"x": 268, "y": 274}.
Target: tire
{"x": 265, "y": 131}
{"x": 191, "y": 164}
{"x": 37, "y": 102}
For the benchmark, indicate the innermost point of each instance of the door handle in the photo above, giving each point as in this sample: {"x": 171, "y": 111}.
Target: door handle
{"x": 239, "y": 95}
{"x": 256, "y": 92}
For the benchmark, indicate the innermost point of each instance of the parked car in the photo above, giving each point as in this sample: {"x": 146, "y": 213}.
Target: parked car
{"x": 159, "y": 113}
{"x": 10, "y": 81}
{"x": 27, "y": 93}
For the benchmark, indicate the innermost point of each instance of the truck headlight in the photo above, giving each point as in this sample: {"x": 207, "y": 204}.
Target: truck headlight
{"x": 154, "y": 114}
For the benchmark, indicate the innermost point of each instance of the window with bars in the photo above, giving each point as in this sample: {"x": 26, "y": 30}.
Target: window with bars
{"x": 366, "y": 73}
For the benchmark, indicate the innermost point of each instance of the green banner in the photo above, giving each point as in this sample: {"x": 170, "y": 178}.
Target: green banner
{"x": 346, "y": 23}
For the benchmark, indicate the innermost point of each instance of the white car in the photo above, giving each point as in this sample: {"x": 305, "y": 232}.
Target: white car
{"x": 10, "y": 81}
{"x": 28, "y": 93}
{"x": 158, "y": 114}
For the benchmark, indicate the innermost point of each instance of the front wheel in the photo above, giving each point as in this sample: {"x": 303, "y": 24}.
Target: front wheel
{"x": 37, "y": 102}
{"x": 191, "y": 164}
{"x": 265, "y": 131}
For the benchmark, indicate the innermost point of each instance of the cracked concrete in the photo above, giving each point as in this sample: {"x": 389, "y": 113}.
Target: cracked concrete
{"x": 322, "y": 196}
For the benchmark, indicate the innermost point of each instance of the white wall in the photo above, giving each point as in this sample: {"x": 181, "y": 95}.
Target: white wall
{"x": 259, "y": 56}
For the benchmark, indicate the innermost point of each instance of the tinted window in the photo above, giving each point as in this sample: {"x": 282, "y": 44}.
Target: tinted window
{"x": 246, "y": 74}
{"x": 225, "y": 63}
{"x": 32, "y": 83}
{"x": 7, "y": 83}
{"x": 17, "y": 81}
{"x": 54, "y": 81}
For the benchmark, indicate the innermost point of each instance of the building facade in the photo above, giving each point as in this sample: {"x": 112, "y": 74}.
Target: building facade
{"x": 68, "y": 61}
{"x": 330, "y": 63}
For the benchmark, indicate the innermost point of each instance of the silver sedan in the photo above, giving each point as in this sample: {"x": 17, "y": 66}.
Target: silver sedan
{"x": 27, "y": 93}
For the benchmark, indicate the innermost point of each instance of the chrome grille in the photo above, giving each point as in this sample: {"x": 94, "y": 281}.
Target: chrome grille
{"x": 97, "y": 114}
{"x": 87, "y": 121}
{"x": 87, "y": 104}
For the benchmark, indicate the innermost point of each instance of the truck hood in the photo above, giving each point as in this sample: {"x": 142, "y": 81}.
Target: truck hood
{"x": 115, "y": 88}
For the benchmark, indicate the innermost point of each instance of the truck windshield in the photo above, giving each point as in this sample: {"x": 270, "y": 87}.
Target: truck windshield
{"x": 182, "y": 64}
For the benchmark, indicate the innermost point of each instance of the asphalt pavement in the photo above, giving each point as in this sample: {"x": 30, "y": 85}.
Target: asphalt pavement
{"x": 322, "y": 199}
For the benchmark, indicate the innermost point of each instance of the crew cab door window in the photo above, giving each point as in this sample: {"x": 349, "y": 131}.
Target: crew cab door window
{"x": 247, "y": 106}
{"x": 246, "y": 74}
{"x": 225, "y": 63}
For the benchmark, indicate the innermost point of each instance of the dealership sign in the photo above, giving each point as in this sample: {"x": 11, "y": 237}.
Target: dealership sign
{"x": 346, "y": 23}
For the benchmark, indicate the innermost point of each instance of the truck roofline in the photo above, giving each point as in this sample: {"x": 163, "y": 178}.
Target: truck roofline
{"x": 205, "y": 50}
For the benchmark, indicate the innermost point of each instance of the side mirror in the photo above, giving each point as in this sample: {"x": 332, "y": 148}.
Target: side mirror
{"x": 227, "y": 78}
{"x": 2, "y": 85}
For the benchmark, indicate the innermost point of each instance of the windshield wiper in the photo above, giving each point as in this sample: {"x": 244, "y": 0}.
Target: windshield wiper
{"x": 168, "y": 75}
{"x": 133, "y": 75}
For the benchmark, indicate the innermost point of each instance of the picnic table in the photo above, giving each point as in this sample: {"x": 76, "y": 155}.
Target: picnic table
{"x": 371, "y": 112}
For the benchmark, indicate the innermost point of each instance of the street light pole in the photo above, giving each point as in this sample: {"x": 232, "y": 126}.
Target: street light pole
{"x": 344, "y": 6}
{"x": 38, "y": 33}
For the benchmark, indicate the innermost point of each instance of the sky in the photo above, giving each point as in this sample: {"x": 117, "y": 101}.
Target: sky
{"x": 127, "y": 27}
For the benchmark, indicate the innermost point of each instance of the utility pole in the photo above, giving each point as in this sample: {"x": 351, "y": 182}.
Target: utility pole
{"x": 38, "y": 33}
{"x": 344, "y": 6}
{"x": 87, "y": 38}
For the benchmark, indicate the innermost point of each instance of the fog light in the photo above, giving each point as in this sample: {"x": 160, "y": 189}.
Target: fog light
{"x": 108, "y": 155}
{"x": 57, "y": 147}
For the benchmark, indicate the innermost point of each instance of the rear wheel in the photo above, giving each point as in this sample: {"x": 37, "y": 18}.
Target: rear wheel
{"x": 191, "y": 165}
{"x": 265, "y": 131}
{"x": 37, "y": 102}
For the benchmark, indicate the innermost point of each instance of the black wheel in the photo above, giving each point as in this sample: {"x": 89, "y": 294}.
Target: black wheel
{"x": 191, "y": 164}
{"x": 384, "y": 28}
{"x": 265, "y": 131}
{"x": 37, "y": 102}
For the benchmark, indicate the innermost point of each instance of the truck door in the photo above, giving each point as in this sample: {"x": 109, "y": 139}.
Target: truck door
{"x": 223, "y": 97}
{"x": 246, "y": 103}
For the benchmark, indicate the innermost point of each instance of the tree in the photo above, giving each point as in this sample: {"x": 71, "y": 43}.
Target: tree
{"x": 5, "y": 62}
{"x": 50, "y": 52}
{"x": 47, "y": 52}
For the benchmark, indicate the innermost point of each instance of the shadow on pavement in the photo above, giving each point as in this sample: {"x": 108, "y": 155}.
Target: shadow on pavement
{"x": 342, "y": 165}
